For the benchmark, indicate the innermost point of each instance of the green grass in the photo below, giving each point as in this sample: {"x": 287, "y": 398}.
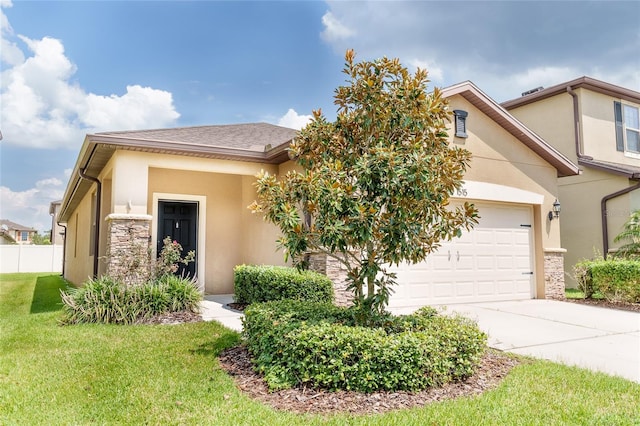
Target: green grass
{"x": 574, "y": 293}
{"x": 163, "y": 375}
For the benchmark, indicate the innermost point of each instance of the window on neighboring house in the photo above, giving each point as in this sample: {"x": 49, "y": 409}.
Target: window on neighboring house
{"x": 627, "y": 127}
{"x": 24, "y": 236}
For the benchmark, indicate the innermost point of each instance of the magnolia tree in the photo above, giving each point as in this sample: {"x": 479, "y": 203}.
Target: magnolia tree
{"x": 375, "y": 184}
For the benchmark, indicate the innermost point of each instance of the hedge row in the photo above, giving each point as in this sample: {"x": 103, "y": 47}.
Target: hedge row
{"x": 616, "y": 280}
{"x": 295, "y": 343}
{"x": 265, "y": 283}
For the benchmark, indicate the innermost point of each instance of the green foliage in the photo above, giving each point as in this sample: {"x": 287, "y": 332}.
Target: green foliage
{"x": 265, "y": 283}
{"x": 376, "y": 183}
{"x": 617, "y": 280}
{"x": 582, "y": 276}
{"x": 41, "y": 239}
{"x": 630, "y": 234}
{"x": 170, "y": 258}
{"x": 614, "y": 279}
{"x": 105, "y": 300}
{"x": 321, "y": 346}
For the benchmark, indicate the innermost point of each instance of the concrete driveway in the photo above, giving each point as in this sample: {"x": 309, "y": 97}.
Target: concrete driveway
{"x": 599, "y": 339}
{"x": 596, "y": 338}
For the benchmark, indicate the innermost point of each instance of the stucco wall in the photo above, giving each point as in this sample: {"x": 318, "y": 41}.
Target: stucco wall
{"x": 598, "y": 128}
{"x": 551, "y": 119}
{"x": 258, "y": 237}
{"x": 78, "y": 264}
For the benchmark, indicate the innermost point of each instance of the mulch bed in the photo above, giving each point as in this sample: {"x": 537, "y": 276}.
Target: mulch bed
{"x": 237, "y": 306}
{"x": 237, "y": 362}
{"x": 171, "y": 318}
{"x": 623, "y": 306}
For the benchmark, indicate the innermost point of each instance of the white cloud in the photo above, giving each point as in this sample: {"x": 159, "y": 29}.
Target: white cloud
{"x": 31, "y": 207}
{"x": 436, "y": 73}
{"x": 10, "y": 53}
{"x": 43, "y": 108}
{"x": 334, "y": 30}
{"x": 293, "y": 120}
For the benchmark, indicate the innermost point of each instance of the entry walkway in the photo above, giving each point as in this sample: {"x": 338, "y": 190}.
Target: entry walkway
{"x": 596, "y": 338}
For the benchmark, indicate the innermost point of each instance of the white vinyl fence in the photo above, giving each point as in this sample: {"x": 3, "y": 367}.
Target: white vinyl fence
{"x": 23, "y": 258}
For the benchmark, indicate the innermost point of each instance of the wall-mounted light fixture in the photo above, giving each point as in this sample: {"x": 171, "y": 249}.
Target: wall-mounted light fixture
{"x": 555, "y": 213}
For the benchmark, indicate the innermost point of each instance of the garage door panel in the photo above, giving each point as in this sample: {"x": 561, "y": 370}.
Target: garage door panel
{"x": 443, "y": 289}
{"x": 464, "y": 288}
{"x": 465, "y": 263}
{"x": 523, "y": 286}
{"x": 505, "y": 287}
{"x": 487, "y": 263}
{"x": 486, "y": 287}
{"x": 523, "y": 263}
{"x": 521, "y": 238}
{"x": 483, "y": 237}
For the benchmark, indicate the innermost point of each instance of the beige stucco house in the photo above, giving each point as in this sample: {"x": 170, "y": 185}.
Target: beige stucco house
{"x": 596, "y": 125}
{"x": 196, "y": 183}
{"x": 14, "y": 233}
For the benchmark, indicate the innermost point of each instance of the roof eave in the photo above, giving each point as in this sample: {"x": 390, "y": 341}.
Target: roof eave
{"x": 582, "y": 82}
{"x": 274, "y": 155}
{"x": 633, "y": 175}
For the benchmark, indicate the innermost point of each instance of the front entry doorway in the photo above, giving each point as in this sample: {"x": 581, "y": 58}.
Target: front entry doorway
{"x": 178, "y": 220}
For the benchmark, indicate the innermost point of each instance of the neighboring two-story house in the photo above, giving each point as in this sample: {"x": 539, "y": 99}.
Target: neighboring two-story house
{"x": 596, "y": 125}
{"x": 14, "y": 233}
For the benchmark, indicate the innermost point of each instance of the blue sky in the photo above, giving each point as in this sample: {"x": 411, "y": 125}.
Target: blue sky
{"x": 78, "y": 67}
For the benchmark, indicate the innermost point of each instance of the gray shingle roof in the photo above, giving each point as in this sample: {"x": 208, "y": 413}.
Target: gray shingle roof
{"x": 15, "y": 226}
{"x": 632, "y": 172}
{"x": 252, "y": 136}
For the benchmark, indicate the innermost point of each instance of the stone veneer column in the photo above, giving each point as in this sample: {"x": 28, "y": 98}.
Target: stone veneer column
{"x": 128, "y": 241}
{"x": 337, "y": 273}
{"x": 554, "y": 273}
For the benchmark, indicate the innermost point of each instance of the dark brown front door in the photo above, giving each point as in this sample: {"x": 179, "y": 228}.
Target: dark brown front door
{"x": 178, "y": 220}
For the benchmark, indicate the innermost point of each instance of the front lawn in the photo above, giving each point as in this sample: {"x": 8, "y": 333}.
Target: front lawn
{"x": 169, "y": 374}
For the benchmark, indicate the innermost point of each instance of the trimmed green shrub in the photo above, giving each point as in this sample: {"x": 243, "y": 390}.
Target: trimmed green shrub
{"x": 106, "y": 300}
{"x": 295, "y": 343}
{"x": 617, "y": 280}
{"x": 266, "y": 283}
{"x": 582, "y": 275}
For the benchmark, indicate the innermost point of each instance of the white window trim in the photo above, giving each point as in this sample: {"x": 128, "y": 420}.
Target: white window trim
{"x": 627, "y": 152}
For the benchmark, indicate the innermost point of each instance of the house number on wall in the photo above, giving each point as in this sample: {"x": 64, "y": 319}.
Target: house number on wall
{"x": 461, "y": 192}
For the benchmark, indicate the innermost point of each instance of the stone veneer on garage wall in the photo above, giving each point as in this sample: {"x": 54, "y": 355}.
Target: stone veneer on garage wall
{"x": 128, "y": 241}
{"x": 553, "y": 275}
{"x": 337, "y": 273}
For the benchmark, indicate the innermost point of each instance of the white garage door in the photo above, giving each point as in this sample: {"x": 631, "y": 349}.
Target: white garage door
{"x": 492, "y": 262}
